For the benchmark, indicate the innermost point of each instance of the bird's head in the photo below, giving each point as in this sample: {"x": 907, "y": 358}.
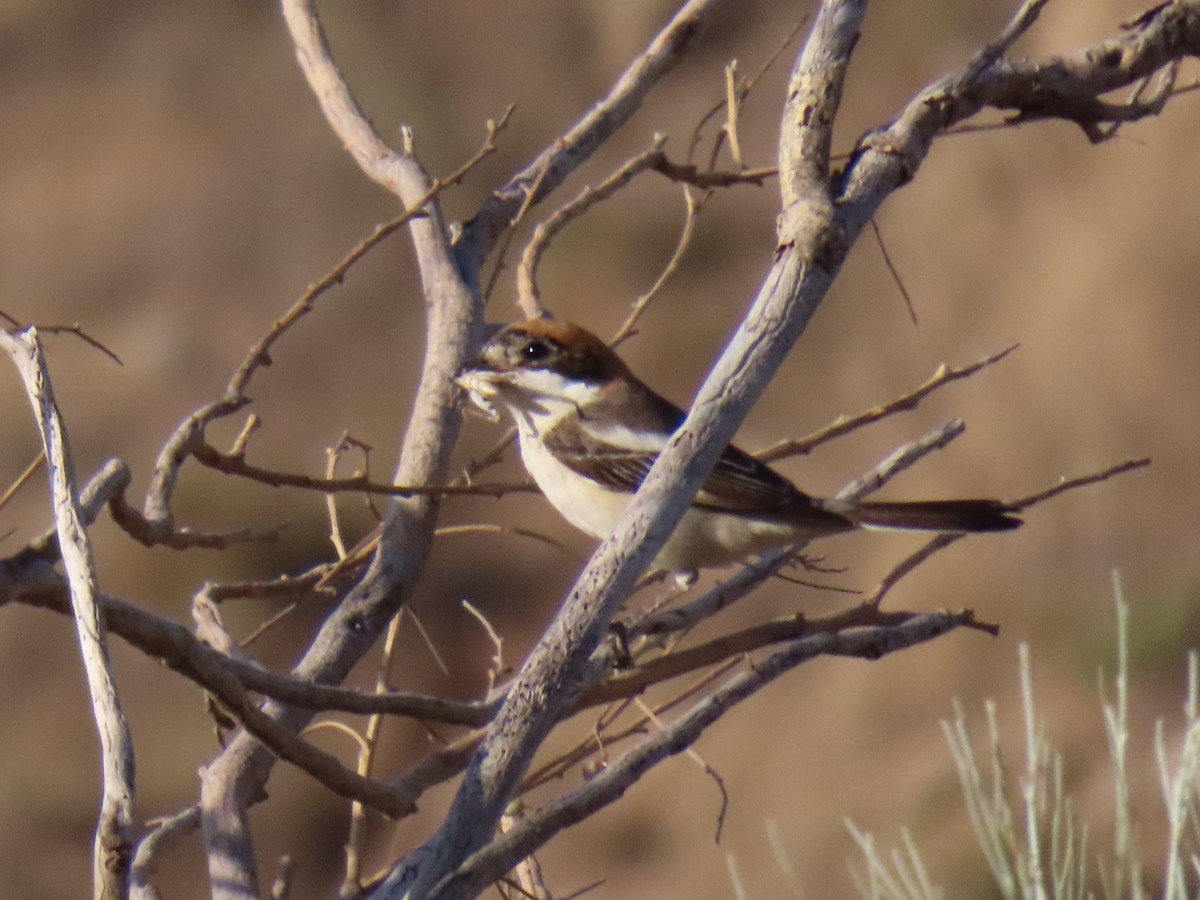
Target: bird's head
{"x": 540, "y": 367}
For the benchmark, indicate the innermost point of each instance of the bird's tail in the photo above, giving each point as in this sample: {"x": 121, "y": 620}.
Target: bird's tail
{"x": 933, "y": 515}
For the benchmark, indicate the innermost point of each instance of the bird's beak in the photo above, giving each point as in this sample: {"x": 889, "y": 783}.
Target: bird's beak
{"x": 481, "y": 387}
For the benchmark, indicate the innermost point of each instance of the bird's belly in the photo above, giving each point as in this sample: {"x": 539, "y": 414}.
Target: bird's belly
{"x": 708, "y": 538}
{"x": 590, "y": 507}
{"x": 703, "y": 537}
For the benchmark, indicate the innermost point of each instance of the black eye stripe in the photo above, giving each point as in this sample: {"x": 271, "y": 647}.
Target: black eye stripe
{"x": 534, "y": 349}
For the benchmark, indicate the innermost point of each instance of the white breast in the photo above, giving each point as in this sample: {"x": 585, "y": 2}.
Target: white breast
{"x": 587, "y": 505}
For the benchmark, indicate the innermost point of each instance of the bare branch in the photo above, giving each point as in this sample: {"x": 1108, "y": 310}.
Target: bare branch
{"x": 209, "y": 456}
{"x": 1066, "y": 87}
{"x": 153, "y": 533}
{"x": 693, "y": 206}
{"x": 163, "y": 835}
{"x": 113, "y": 847}
{"x": 395, "y": 171}
{"x": 903, "y": 458}
{"x": 805, "y": 265}
{"x": 489, "y": 863}
{"x": 551, "y": 167}
{"x": 689, "y": 174}
{"x": 845, "y": 424}
{"x": 887, "y": 261}
{"x": 174, "y": 454}
{"x": 260, "y": 353}
{"x": 21, "y": 479}
{"x": 1070, "y": 484}
{"x": 942, "y": 541}
{"x": 77, "y": 331}
{"x": 529, "y": 297}
{"x": 813, "y": 96}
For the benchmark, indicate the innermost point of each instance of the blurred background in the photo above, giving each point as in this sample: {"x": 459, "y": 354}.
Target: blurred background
{"x": 167, "y": 181}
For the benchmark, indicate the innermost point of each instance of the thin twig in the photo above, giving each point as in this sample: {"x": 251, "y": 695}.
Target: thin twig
{"x": 845, "y": 424}
{"x": 692, "y": 208}
{"x": 699, "y": 760}
{"x": 260, "y": 353}
{"x": 941, "y": 541}
{"x": 529, "y": 304}
{"x": 22, "y": 478}
{"x": 454, "y": 530}
{"x": 209, "y": 456}
{"x": 77, "y": 331}
{"x": 902, "y": 458}
{"x": 887, "y": 260}
{"x": 743, "y": 90}
{"x": 529, "y": 297}
{"x": 497, "y": 668}
{"x": 1070, "y": 484}
{"x": 333, "y": 456}
{"x": 732, "y": 108}
{"x": 358, "y": 813}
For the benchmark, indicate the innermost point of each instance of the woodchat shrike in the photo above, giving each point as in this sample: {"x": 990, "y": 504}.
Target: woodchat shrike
{"x": 590, "y": 430}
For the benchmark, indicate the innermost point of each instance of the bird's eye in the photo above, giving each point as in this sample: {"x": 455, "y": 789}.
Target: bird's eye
{"x": 534, "y": 351}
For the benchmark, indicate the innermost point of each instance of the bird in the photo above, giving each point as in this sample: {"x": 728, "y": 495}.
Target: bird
{"x": 589, "y": 430}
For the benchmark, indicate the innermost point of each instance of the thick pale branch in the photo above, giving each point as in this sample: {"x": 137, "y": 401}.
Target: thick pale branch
{"x": 397, "y": 172}
{"x": 687, "y": 616}
{"x": 609, "y": 785}
{"x": 807, "y": 260}
{"x": 1067, "y": 87}
{"x": 235, "y": 780}
{"x": 813, "y": 96}
{"x": 113, "y": 846}
{"x": 178, "y": 649}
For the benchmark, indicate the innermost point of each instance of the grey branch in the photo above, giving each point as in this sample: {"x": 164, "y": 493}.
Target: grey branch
{"x": 113, "y": 848}
{"x": 808, "y": 256}
{"x": 822, "y": 214}
{"x": 487, "y": 865}
{"x": 454, "y": 322}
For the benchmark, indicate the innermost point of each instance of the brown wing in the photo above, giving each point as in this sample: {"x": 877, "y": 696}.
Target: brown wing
{"x": 738, "y": 484}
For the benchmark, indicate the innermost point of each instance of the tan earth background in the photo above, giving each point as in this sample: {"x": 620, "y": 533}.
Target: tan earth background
{"x": 167, "y": 181}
